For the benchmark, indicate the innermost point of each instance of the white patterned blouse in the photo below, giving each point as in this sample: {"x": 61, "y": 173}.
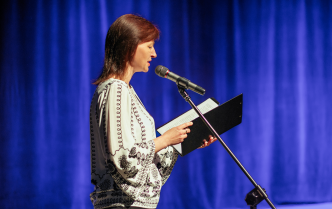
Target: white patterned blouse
{"x": 124, "y": 167}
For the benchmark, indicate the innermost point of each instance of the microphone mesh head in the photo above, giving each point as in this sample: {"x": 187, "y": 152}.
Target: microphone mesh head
{"x": 161, "y": 71}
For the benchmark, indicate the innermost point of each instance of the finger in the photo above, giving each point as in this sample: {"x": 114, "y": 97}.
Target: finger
{"x": 185, "y": 131}
{"x": 211, "y": 139}
{"x": 185, "y": 125}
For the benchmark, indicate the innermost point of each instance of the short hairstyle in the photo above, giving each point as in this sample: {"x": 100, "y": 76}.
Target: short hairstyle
{"x": 122, "y": 40}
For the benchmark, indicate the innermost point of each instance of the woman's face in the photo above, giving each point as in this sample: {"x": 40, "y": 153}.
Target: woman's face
{"x": 143, "y": 56}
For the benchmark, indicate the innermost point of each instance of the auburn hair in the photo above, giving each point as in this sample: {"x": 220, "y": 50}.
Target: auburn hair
{"x": 121, "y": 43}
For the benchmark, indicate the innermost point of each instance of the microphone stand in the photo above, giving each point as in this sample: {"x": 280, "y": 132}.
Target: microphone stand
{"x": 255, "y": 196}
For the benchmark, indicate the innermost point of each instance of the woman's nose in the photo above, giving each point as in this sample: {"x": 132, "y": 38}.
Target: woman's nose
{"x": 153, "y": 53}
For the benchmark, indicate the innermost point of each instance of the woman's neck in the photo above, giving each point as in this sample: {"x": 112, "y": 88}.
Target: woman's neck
{"x": 129, "y": 72}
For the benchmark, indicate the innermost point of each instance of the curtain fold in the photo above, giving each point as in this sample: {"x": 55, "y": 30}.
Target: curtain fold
{"x": 277, "y": 53}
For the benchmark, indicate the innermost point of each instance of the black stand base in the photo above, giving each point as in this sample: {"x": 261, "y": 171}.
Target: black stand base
{"x": 254, "y": 197}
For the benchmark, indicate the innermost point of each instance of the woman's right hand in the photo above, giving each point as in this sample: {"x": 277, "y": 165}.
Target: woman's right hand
{"x": 177, "y": 134}
{"x": 173, "y": 136}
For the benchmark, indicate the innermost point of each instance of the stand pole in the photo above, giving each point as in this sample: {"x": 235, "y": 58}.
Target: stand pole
{"x": 253, "y": 197}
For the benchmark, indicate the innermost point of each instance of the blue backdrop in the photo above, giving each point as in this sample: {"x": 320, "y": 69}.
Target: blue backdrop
{"x": 277, "y": 53}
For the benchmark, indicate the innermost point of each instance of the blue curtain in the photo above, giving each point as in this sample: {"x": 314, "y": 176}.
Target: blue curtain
{"x": 277, "y": 53}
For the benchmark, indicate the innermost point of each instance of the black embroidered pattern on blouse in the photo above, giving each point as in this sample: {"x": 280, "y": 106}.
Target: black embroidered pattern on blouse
{"x": 138, "y": 118}
{"x": 164, "y": 169}
{"x": 141, "y": 158}
{"x": 103, "y": 109}
{"x": 105, "y": 185}
{"x": 129, "y": 170}
{"x": 118, "y": 115}
{"x": 92, "y": 141}
{"x": 143, "y": 110}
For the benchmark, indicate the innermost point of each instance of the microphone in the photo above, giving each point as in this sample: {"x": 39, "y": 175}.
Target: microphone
{"x": 162, "y": 71}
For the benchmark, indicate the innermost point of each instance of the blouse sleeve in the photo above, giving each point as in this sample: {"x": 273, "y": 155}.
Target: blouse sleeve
{"x": 130, "y": 160}
{"x": 165, "y": 160}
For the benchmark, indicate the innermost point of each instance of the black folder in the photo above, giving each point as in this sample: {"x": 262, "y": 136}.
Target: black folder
{"x": 222, "y": 118}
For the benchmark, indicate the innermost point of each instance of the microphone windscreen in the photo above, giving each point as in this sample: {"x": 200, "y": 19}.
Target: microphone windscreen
{"x": 161, "y": 71}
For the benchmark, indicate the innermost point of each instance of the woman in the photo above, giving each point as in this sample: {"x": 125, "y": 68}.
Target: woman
{"x": 129, "y": 164}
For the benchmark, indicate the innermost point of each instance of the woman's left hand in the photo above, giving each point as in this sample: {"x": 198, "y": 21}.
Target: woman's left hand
{"x": 207, "y": 143}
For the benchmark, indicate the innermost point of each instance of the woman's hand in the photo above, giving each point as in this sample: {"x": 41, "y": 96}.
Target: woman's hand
{"x": 177, "y": 134}
{"x": 173, "y": 136}
{"x": 207, "y": 143}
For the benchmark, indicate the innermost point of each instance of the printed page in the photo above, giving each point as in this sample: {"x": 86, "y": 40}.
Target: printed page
{"x": 188, "y": 116}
